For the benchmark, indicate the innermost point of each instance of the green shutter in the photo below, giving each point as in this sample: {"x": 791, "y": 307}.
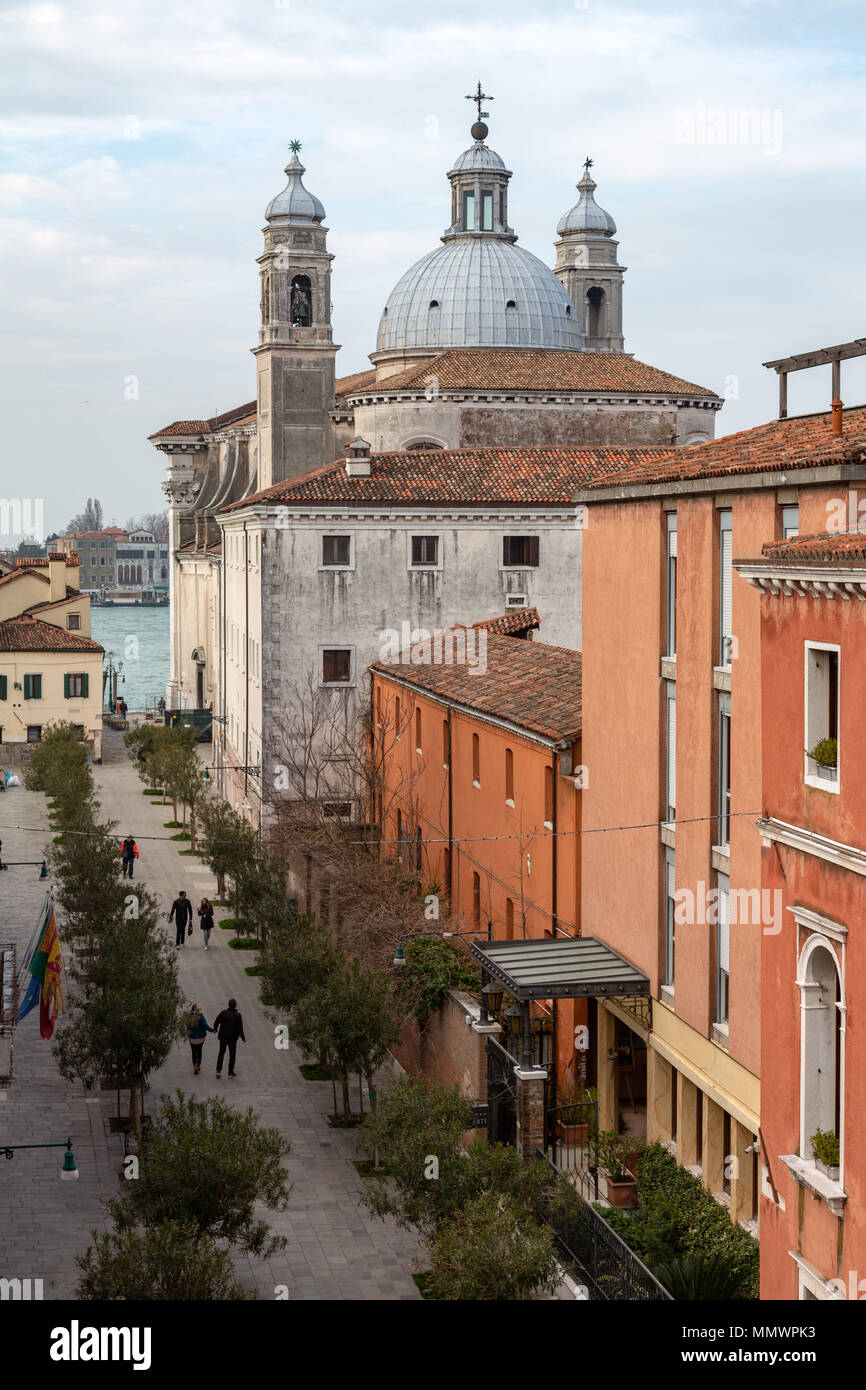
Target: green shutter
{"x": 28, "y": 683}
{"x": 37, "y": 687}
{"x": 66, "y": 687}
{"x": 85, "y": 684}
{"x": 2, "y": 687}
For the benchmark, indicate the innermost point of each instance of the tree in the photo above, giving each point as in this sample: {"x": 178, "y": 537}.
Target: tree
{"x": 352, "y": 1018}
{"x": 91, "y": 519}
{"x": 222, "y": 832}
{"x": 165, "y": 1263}
{"x": 297, "y": 957}
{"x": 155, "y": 522}
{"x": 206, "y": 1165}
{"x": 492, "y": 1250}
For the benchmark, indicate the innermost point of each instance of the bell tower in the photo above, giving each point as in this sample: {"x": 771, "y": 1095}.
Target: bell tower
{"x": 295, "y": 353}
{"x": 586, "y": 264}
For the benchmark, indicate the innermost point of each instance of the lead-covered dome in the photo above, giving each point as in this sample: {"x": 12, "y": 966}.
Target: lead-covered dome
{"x": 586, "y": 215}
{"x": 295, "y": 203}
{"x": 478, "y": 291}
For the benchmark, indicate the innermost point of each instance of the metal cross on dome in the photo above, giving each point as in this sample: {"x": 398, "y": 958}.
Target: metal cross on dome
{"x": 478, "y": 97}
{"x": 295, "y": 146}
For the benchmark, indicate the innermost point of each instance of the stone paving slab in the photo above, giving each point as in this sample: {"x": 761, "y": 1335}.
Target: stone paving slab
{"x": 336, "y": 1250}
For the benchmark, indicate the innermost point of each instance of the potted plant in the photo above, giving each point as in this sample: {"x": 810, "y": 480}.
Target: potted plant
{"x": 825, "y": 1151}
{"x": 611, "y": 1152}
{"x": 576, "y": 1113}
{"x": 825, "y": 756}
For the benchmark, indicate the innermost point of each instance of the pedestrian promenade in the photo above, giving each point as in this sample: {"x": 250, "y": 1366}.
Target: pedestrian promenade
{"x": 335, "y": 1250}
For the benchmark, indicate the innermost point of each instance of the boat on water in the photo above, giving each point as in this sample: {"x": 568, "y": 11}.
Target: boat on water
{"x": 129, "y": 598}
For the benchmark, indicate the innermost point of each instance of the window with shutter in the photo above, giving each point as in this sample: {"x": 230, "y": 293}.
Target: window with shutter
{"x": 3, "y": 687}
{"x": 726, "y": 579}
{"x": 672, "y": 585}
{"x": 671, "y": 761}
{"x": 724, "y": 948}
{"x": 66, "y": 687}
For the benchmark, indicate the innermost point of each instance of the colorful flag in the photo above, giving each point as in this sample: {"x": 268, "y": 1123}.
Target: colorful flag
{"x": 45, "y": 965}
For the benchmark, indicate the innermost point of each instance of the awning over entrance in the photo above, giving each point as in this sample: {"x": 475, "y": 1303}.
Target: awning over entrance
{"x": 559, "y": 968}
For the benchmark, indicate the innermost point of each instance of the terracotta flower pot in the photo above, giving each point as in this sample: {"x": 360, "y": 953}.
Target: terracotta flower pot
{"x": 621, "y": 1194}
{"x": 573, "y": 1136}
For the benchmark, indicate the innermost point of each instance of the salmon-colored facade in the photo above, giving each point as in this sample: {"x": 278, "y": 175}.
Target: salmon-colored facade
{"x": 483, "y": 797}
{"x": 813, "y": 1225}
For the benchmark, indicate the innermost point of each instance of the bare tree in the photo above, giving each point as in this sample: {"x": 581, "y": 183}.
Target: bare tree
{"x": 90, "y": 519}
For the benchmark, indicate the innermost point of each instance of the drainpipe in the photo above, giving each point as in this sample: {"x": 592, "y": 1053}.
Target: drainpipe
{"x": 450, "y": 818}
{"x": 553, "y": 857}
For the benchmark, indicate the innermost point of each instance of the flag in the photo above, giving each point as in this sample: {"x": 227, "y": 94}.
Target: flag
{"x": 45, "y": 965}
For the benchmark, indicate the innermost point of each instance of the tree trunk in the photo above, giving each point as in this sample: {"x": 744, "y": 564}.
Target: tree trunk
{"x": 347, "y": 1104}
{"x": 134, "y": 1111}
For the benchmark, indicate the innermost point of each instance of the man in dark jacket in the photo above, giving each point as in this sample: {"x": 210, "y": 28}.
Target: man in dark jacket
{"x": 128, "y": 855}
{"x": 181, "y": 911}
{"x": 228, "y": 1026}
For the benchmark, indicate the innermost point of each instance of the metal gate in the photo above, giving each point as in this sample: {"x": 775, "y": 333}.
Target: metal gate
{"x": 501, "y": 1095}
{"x": 568, "y": 1131}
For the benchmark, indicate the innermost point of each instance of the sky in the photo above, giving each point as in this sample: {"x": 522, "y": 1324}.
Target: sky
{"x": 140, "y": 144}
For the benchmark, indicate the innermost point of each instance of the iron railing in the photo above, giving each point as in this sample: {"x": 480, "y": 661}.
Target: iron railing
{"x": 596, "y": 1257}
{"x": 567, "y": 1141}
{"x": 501, "y": 1095}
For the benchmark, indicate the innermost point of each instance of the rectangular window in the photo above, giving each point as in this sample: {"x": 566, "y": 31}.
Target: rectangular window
{"x": 822, "y": 716}
{"x": 509, "y": 775}
{"x": 469, "y": 211}
{"x": 73, "y": 622}
{"x": 34, "y": 733}
{"x": 520, "y": 552}
{"x": 337, "y": 810}
{"x": 671, "y": 648}
{"x": 398, "y": 730}
{"x": 4, "y": 686}
{"x": 75, "y": 687}
{"x": 723, "y": 951}
{"x": 32, "y": 687}
{"x": 418, "y": 747}
{"x": 724, "y": 826}
{"x": 671, "y": 751}
{"x": 337, "y": 666}
{"x": 425, "y": 550}
{"x": 476, "y": 760}
{"x": 337, "y": 551}
{"x": 790, "y": 521}
{"x": 726, "y": 572}
{"x": 486, "y": 211}
{"x": 446, "y": 752}
{"x": 509, "y": 920}
{"x": 513, "y": 601}
{"x": 476, "y": 900}
{"x": 670, "y": 905}
{"x": 548, "y": 796}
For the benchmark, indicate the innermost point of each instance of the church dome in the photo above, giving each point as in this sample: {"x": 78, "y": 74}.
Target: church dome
{"x": 295, "y": 203}
{"x": 586, "y": 215}
{"x": 478, "y": 291}
{"x": 478, "y": 156}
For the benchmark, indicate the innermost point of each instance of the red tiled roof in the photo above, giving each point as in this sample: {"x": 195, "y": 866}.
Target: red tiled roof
{"x": 17, "y": 573}
{"x": 530, "y": 684}
{"x": 345, "y": 385}
{"x": 539, "y": 369}
{"x": 831, "y": 547}
{"x": 71, "y": 595}
{"x": 798, "y": 442}
{"x": 515, "y": 620}
{"x": 32, "y": 635}
{"x": 240, "y": 414}
{"x": 474, "y": 477}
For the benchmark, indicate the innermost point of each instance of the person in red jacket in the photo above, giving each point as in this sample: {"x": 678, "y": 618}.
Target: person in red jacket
{"x": 128, "y": 855}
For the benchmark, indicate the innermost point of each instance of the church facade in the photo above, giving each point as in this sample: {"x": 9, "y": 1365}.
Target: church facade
{"x": 432, "y": 488}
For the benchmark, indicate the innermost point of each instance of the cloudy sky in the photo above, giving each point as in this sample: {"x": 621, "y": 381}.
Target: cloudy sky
{"x": 140, "y": 143}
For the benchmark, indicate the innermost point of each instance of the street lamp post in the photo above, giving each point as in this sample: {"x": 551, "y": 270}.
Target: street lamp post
{"x": 68, "y": 1173}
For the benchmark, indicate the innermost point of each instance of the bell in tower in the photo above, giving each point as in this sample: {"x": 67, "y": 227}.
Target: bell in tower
{"x": 295, "y": 353}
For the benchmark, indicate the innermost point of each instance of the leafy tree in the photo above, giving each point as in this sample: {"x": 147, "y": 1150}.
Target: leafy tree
{"x": 207, "y": 1165}
{"x": 492, "y": 1250}
{"x": 433, "y": 967}
{"x": 60, "y": 769}
{"x": 164, "y": 1263}
{"x": 297, "y": 957}
{"x": 352, "y": 1018}
{"x": 224, "y": 837}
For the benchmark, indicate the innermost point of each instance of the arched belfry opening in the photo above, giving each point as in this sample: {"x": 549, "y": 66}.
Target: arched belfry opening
{"x": 595, "y": 299}
{"x": 302, "y": 301}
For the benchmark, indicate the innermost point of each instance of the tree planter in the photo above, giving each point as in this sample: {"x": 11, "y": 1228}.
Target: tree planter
{"x": 621, "y": 1193}
{"x": 826, "y": 774}
{"x": 573, "y": 1136}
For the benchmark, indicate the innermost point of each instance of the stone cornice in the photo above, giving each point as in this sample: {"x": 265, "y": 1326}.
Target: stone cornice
{"x": 382, "y": 396}
{"x": 564, "y": 518}
{"x": 808, "y": 842}
{"x": 805, "y": 580}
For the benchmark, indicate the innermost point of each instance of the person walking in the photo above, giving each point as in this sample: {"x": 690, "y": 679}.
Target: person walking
{"x": 228, "y": 1026}
{"x": 128, "y": 855}
{"x": 181, "y": 912}
{"x": 124, "y": 708}
{"x": 205, "y": 912}
{"x": 197, "y": 1032}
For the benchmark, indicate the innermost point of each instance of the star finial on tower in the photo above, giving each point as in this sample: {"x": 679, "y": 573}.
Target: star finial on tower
{"x": 587, "y": 165}
{"x": 295, "y": 146}
{"x": 479, "y": 96}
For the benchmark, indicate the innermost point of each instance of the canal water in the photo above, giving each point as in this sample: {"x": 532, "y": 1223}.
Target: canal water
{"x": 138, "y": 637}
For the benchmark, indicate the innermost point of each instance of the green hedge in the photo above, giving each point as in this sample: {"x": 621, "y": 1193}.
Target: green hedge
{"x": 677, "y": 1216}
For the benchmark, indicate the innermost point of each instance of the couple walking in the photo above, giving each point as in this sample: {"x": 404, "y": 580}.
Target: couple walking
{"x": 181, "y": 914}
{"x": 228, "y": 1026}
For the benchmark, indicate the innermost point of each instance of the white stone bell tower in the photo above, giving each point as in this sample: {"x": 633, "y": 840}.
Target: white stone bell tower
{"x": 586, "y": 264}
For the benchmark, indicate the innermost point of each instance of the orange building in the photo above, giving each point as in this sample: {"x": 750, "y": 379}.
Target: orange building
{"x": 481, "y": 778}
{"x": 672, "y": 746}
{"x": 813, "y": 1056}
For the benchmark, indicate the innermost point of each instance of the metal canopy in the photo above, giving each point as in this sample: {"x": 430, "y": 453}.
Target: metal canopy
{"x": 559, "y": 968}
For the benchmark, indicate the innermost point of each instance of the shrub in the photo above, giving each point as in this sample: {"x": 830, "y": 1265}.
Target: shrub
{"x": 492, "y": 1250}
{"x": 678, "y": 1217}
{"x": 433, "y": 967}
{"x": 825, "y": 1147}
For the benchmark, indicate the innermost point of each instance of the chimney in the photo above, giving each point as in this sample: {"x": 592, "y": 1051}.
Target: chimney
{"x": 836, "y": 408}
{"x": 57, "y": 577}
{"x": 357, "y": 458}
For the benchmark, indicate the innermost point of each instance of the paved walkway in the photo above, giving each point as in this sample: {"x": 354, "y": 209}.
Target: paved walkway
{"x": 335, "y": 1250}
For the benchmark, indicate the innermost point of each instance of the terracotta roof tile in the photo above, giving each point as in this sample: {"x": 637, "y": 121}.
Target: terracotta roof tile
{"x": 514, "y": 621}
{"x": 242, "y": 414}
{"x": 345, "y": 385}
{"x": 530, "y": 684}
{"x": 798, "y": 442}
{"x": 831, "y": 547}
{"x": 474, "y": 477}
{"x": 32, "y": 635}
{"x": 521, "y": 369}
